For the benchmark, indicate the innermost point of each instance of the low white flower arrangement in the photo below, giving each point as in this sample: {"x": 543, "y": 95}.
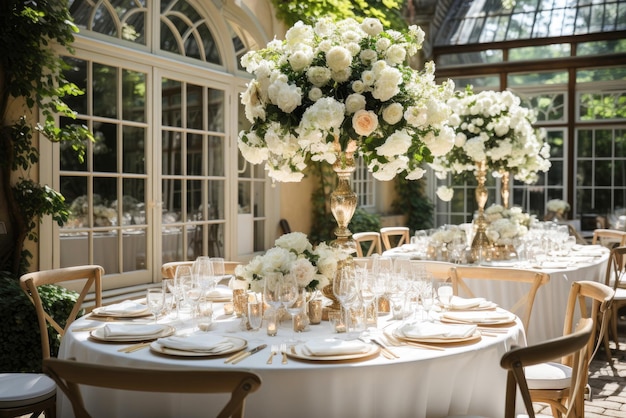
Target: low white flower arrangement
{"x": 558, "y": 206}
{"x": 505, "y": 226}
{"x": 293, "y": 254}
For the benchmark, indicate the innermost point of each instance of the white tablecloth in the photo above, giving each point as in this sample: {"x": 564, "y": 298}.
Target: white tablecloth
{"x": 548, "y": 314}
{"x": 421, "y": 383}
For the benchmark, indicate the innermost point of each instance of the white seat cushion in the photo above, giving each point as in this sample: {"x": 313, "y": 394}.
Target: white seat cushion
{"x": 19, "y": 389}
{"x": 548, "y": 376}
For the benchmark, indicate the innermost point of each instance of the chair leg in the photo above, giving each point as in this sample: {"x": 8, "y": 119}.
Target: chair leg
{"x": 607, "y": 348}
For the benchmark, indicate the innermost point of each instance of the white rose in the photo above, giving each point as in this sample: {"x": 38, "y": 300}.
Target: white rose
{"x": 395, "y": 55}
{"x": 301, "y": 59}
{"x": 397, "y": 143}
{"x": 393, "y": 113}
{"x": 338, "y": 58}
{"x": 368, "y": 56}
{"x": 372, "y": 26}
{"x": 355, "y": 102}
{"x": 318, "y": 76}
{"x": 296, "y": 241}
{"x": 445, "y": 193}
{"x": 364, "y": 122}
{"x": 358, "y": 86}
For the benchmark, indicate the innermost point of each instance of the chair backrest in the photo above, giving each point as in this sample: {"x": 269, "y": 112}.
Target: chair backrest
{"x": 573, "y": 345}
{"x": 394, "y": 236}
{"x": 369, "y": 240}
{"x": 616, "y": 267}
{"x": 574, "y": 233}
{"x": 68, "y": 374}
{"x": 523, "y": 305}
{"x": 91, "y": 274}
{"x": 609, "y": 238}
{"x": 583, "y": 294}
{"x": 168, "y": 270}
{"x": 440, "y": 270}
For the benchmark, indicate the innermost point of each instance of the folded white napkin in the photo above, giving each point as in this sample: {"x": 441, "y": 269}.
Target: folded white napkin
{"x": 112, "y": 331}
{"x": 205, "y": 343}
{"x": 437, "y": 330}
{"x": 458, "y": 302}
{"x": 480, "y": 317}
{"x": 332, "y": 346}
{"x": 220, "y": 292}
{"x": 125, "y": 307}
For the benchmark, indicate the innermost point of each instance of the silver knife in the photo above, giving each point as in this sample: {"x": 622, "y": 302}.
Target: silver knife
{"x": 249, "y": 353}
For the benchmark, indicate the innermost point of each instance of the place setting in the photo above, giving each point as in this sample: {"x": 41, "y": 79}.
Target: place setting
{"x": 333, "y": 349}
{"x": 127, "y": 309}
{"x": 439, "y": 333}
{"x": 200, "y": 344}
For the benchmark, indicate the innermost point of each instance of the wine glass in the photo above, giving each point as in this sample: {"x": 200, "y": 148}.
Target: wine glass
{"x": 155, "y": 299}
{"x": 202, "y": 270}
{"x": 427, "y": 298}
{"x": 444, "y": 293}
{"x": 184, "y": 281}
{"x": 255, "y": 312}
{"x": 290, "y": 298}
{"x": 217, "y": 263}
{"x": 345, "y": 290}
{"x": 271, "y": 290}
{"x": 368, "y": 291}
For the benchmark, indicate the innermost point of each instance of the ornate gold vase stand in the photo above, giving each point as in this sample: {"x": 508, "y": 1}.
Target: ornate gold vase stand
{"x": 505, "y": 188}
{"x": 480, "y": 244}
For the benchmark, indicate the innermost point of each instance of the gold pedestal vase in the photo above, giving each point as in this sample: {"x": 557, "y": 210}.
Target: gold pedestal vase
{"x": 480, "y": 244}
{"x": 505, "y": 191}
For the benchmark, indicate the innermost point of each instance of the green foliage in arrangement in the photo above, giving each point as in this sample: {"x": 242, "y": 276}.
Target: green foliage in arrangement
{"x": 20, "y": 345}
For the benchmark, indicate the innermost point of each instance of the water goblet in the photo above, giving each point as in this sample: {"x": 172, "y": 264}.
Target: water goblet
{"x": 217, "y": 263}
{"x": 291, "y": 299}
{"x": 346, "y": 291}
{"x": 155, "y": 300}
{"x": 255, "y": 313}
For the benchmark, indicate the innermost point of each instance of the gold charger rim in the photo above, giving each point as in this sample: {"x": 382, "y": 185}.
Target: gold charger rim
{"x": 161, "y": 349}
{"x": 430, "y": 340}
{"x": 296, "y": 351}
{"x": 166, "y": 331}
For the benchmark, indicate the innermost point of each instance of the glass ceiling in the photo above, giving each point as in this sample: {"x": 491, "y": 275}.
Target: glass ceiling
{"x": 483, "y": 21}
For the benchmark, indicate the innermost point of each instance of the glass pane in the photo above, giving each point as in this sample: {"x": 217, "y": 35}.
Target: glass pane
{"x": 556, "y": 139}
{"x": 536, "y": 53}
{"x": 603, "y": 106}
{"x": 171, "y": 101}
{"x": 601, "y": 47}
{"x": 134, "y": 244}
{"x": 171, "y": 163}
{"x": 478, "y": 83}
{"x": 74, "y": 250}
{"x": 603, "y": 173}
{"x": 104, "y": 198}
{"x": 216, "y": 156}
{"x": 105, "y": 147}
{"x": 620, "y": 143}
{"x": 195, "y": 105}
{"x": 74, "y": 189}
{"x": 620, "y": 173}
{"x": 172, "y": 238}
{"x": 106, "y": 251}
{"x": 604, "y": 143}
{"x": 134, "y": 203}
{"x": 259, "y": 199}
{"x": 585, "y": 173}
{"x": 555, "y": 174}
{"x": 259, "y": 235}
{"x": 466, "y": 58}
{"x": 77, "y": 74}
{"x": 548, "y": 107}
{"x": 194, "y": 155}
{"x": 602, "y": 201}
{"x": 134, "y": 156}
{"x": 68, "y": 160}
{"x": 526, "y": 79}
{"x": 216, "y": 240}
{"x": 172, "y": 190}
{"x": 244, "y": 197}
{"x": 215, "y": 110}
{"x": 601, "y": 74}
{"x": 133, "y": 96}
{"x": 216, "y": 199}
{"x": 105, "y": 89}
{"x": 585, "y": 204}
{"x": 585, "y": 143}
{"x": 194, "y": 199}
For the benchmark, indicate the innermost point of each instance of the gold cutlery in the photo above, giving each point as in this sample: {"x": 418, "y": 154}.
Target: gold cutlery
{"x": 134, "y": 347}
{"x": 283, "y": 350}
{"x": 245, "y": 353}
{"x": 248, "y": 353}
{"x": 397, "y": 342}
{"x": 273, "y": 352}
{"x": 386, "y": 351}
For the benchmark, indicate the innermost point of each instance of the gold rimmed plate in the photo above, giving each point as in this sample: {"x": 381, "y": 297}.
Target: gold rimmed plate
{"x": 238, "y": 345}
{"x": 482, "y": 318}
{"x": 476, "y": 336}
{"x": 300, "y": 351}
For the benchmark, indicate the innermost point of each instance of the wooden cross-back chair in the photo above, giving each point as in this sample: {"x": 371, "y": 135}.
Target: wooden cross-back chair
{"x": 609, "y": 238}
{"x": 545, "y": 380}
{"x": 615, "y": 279}
{"x": 524, "y": 304}
{"x": 394, "y": 236}
{"x": 68, "y": 374}
{"x": 369, "y": 240}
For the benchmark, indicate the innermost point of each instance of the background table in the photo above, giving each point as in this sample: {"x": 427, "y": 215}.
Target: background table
{"x": 422, "y": 383}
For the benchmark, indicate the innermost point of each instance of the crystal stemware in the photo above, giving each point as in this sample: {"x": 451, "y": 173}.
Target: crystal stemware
{"x": 155, "y": 299}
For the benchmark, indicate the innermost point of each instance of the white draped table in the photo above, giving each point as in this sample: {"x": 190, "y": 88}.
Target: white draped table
{"x": 461, "y": 379}
{"x": 548, "y": 314}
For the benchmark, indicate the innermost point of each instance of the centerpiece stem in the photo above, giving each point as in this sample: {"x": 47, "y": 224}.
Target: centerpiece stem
{"x": 505, "y": 191}
{"x": 480, "y": 244}
{"x": 343, "y": 199}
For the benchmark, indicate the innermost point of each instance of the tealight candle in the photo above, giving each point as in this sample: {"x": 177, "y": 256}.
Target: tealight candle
{"x": 271, "y": 326}
{"x": 228, "y": 308}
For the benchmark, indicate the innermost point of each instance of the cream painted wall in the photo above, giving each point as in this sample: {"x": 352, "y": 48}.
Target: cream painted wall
{"x": 295, "y": 204}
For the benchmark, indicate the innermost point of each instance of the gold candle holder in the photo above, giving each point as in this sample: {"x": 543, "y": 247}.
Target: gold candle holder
{"x": 272, "y": 325}
{"x": 240, "y": 301}
{"x": 315, "y": 311}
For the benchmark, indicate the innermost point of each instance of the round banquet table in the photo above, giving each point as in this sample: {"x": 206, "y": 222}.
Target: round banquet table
{"x": 548, "y": 314}
{"x": 461, "y": 379}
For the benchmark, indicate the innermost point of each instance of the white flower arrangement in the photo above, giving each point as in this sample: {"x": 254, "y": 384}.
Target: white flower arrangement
{"x": 557, "y": 206}
{"x": 294, "y": 255}
{"x": 333, "y": 84}
{"x": 506, "y": 225}
{"x": 447, "y": 235}
{"x": 493, "y": 127}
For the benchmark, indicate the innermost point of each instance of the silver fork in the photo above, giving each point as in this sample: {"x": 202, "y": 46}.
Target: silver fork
{"x": 283, "y": 350}
{"x": 274, "y": 351}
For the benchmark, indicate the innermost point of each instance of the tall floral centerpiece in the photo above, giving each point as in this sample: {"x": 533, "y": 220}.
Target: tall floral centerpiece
{"x": 494, "y": 133}
{"x": 333, "y": 90}
{"x": 556, "y": 210}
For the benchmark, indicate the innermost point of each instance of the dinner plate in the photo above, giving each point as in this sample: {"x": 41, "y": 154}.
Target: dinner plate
{"x": 438, "y": 340}
{"x": 300, "y": 351}
{"x": 101, "y": 312}
{"x": 98, "y": 334}
{"x": 238, "y": 344}
{"x": 459, "y": 317}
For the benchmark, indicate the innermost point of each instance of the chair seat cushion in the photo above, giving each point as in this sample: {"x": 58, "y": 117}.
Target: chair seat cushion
{"x": 19, "y": 389}
{"x": 548, "y": 376}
